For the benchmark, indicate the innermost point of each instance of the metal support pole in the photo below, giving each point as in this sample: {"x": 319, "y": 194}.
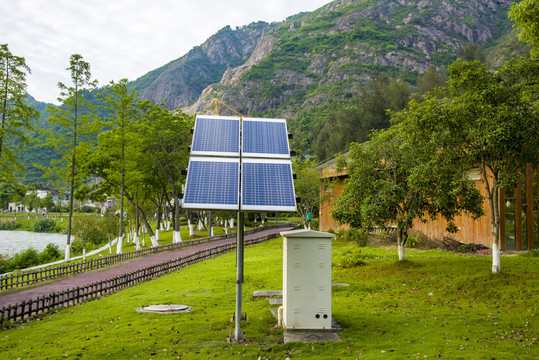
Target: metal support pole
{"x": 238, "y": 336}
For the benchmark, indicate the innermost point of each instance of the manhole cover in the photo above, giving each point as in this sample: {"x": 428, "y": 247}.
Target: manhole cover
{"x": 164, "y": 309}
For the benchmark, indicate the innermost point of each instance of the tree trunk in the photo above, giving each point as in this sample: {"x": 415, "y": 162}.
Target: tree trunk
{"x": 401, "y": 241}
{"x": 144, "y": 220}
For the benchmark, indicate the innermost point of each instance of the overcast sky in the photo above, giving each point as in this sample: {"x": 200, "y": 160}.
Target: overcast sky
{"x": 121, "y": 38}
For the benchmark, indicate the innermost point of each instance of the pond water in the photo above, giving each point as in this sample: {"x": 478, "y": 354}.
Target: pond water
{"x": 12, "y": 242}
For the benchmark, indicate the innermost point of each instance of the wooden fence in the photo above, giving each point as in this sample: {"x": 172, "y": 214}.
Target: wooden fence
{"x": 34, "y": 307}
{"x": 27, "y": 277}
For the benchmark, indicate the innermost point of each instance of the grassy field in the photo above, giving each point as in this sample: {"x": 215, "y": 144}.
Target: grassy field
{"x": 434, "y": 305}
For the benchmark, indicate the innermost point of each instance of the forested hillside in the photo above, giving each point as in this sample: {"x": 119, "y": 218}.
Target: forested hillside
{"x": 332, "y": 72}
{"x": 316, "y": 68}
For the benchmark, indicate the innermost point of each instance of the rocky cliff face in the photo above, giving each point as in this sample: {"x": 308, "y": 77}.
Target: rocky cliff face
{"x": 181, "y": 82}
{"x": 311, "y": 58}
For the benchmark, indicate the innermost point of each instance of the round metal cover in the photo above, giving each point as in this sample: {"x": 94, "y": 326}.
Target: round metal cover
{"x": 164, "y": 309}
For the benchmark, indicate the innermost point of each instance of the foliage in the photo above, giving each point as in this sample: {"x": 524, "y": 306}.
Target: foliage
{"x": 44, "y": 225}
{"x": 488, "y": 119}
{"x": 525, "y": 14}
{"x": 95, "y": 230}
{"x": 357, "y": 236}
{"x": 75, "y": 122}
{"x": 17, "y": 117}
{"x": 400, "y": 176}
{"x": 348, "y": 257}
{"x": 29, "y": 258}
{"x": 8, "y": 224}
{"x": 307, "y": 186}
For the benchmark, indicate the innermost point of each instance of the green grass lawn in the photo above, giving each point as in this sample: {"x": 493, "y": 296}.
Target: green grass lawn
{"x": 434, "y": 305}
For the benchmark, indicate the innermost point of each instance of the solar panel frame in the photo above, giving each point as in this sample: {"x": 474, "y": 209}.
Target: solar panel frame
{"x": 273, "y": 134}
{"x": 216, "y": 136}
{"x": 253, "y": 200}
{"x": 213, "y": 188}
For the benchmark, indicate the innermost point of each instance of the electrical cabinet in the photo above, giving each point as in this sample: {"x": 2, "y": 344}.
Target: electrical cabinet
{"x": 306, "y": 279}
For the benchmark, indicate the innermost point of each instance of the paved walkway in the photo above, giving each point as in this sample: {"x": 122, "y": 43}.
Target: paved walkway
{"x": 95, "y": 276}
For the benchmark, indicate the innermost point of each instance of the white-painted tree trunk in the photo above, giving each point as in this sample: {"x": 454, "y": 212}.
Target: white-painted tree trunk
{"x": 154, "y": 241}
{"x": 200, "y": 225}
{"x": 496, "y": 258}
{"x": 400, "y": 250}
{"x": 137, "y": 242}
{"x": 68, "y": 253}
{"x": 176, "y": 237}
{"x": 191, "y": 230}
{"x": 110, "y": 248}
{"x": 119, "y": 245}
{"x": 232, "y": 223}
{"x": 157, "y": 234}
{"x": 84, "y": 254}
{"x": 226, "y": 230}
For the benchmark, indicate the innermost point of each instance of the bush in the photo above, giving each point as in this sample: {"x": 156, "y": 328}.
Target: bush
{"x": 95, "y": 230}
{"x": 45, "y": 225}
{"x": 29, "y": 258}
{"x": 350, "y": 257}
{"x": 360, "y": 237}
{"x": 24, "y": 259}
{"x": 8, "y": 224}
{"x": 50, "y": 254}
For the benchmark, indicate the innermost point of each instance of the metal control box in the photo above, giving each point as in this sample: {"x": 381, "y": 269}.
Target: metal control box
{"x": 306, "y": 279}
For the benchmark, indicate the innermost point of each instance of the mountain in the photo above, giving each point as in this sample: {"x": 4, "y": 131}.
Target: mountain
{"x": 313, "y": 57}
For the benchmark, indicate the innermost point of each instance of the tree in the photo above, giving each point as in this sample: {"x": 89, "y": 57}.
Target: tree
{"x": 525, "y": 14}
{"x": 399, "y": 176}
{"x": 490, "y": 119}
{"x": 75, "y": 127}
{"x": 17, "y": 116}
{"x": 31, "y": 201}
{"x": 307, "y": 186}
{"x": 47, "y": 202}
{"x": 166, "y": 138}
{"x": 7, "y": 192}
{"x": 123, "y": 106}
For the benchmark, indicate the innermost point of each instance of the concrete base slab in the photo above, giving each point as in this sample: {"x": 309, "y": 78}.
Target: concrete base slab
{"x": 267, "y": 293}
{"x": 310, "y": 336}
{"x": 275, "y": 301}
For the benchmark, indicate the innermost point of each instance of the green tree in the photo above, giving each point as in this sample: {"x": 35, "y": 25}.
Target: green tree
{"x": 17, "y": 117}
{"x": 47, "y": 202}
{"x": 525, "y": 14}
{"x": 7, "y": 192}
{"x": 122, "y": 103}
{"x": 167, "y": 138}
{"x": 75, "y": 127}
{"x": 31, "y": 201}
{"x": 491, "y": 120}
{"x": 307, "y": 186}
{"x": 400, "y": 176}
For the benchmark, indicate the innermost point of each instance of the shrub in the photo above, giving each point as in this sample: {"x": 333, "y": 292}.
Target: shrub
{"x": 24, "y": 259}
{"x": 351, "y": 257}
{"x": 45, "y": 225}
{"x": 360, "y": 237}
{"x": 95, "y": 230}
{"x": 50, "y": 253}
{"x": 8, "y": 224}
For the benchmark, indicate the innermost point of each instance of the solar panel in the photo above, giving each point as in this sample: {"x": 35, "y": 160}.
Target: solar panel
{"x": 265, "y": 138}
{"x": 212, "y": 183}
{"x": 216, "y": 135}
{"x": 267, "y": 185}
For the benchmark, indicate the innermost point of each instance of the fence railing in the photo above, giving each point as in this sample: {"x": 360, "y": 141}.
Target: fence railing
{"x": 27, "y": 277}
{"x": 42, "y": 304}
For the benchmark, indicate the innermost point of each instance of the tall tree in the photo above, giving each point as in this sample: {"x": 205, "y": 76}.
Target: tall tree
{"x": 399, "y": 176}
{"x": 17, "y": 117}
{"x": 122, "y": 103}
{"x": 491, "y": 120}
{"x": 525, "y": 14}
{"x": 75, "y": 126}
{"x": 166, "y": 139}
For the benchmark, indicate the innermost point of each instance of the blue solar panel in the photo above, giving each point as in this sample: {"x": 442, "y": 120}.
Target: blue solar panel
{"x": 267, "y": 185}
{"x": 212, "y": 183}
{"x": 265, "y": 138}
{"x": 216, "y": 136}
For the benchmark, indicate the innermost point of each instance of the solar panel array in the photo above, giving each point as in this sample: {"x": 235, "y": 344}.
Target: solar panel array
{"x": 220, "y": 173}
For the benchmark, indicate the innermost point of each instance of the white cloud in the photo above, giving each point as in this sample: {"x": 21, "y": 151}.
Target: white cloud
{"x": 121, "y": 38}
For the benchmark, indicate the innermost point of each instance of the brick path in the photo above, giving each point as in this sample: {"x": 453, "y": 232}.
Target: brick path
{"x": 95, "y": 276}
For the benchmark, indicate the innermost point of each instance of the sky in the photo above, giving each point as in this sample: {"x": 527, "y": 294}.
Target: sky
{"x": 121, "y": 38}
